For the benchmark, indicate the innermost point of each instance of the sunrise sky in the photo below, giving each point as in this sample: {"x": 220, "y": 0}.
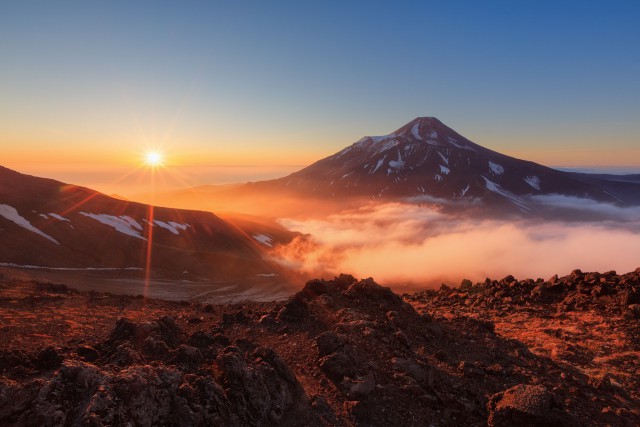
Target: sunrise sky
{"x": 232, "y": 91}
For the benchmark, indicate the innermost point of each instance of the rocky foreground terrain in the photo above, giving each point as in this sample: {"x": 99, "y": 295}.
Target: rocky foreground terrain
{"x": 562, "y": 352}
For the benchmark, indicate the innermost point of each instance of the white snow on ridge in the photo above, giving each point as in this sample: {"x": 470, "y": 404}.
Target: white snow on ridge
{"x": 461, "y": 146}
{"x": 264, "y": 239}
{"x": 444, "y": 170}
{"x": 345, "y": 151}
{"x": 533, "y": 181}
{"x": 166, "y": 226}
{"x": 415, "y": 131}
{"x": 365, "y": 142}
{"x": 378, "y": 139}
{"x": 10, "y": 213}
{"x": 495, "y": 168}
{"x": 58, "y": 217}
{"x": 170, "y": 226}
{"x": 457, "y": 145}
{"x": 368, "y": 139}
{"x": 380, "y": 162}
{"x": 464, "y": 190}
{"x": 387, "y": 145}
{"x": 397, "y": 164}
{"x": 119, "y": 224}
{"x": 492, "y": 186}
{"x": 178, "y": 225}
{"x": 133, "y": 222}
{"x": 45, "y": 216}
{"x": 444, "y": 158}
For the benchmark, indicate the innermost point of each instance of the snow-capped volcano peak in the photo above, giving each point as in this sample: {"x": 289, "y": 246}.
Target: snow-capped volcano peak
{"x": 421, "y": 128}
{"x": 426, "y": 157}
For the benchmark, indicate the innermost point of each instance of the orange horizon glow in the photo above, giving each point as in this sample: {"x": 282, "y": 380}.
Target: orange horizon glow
{"x": 118, "y": 167}
{"x": 251, "y": 148}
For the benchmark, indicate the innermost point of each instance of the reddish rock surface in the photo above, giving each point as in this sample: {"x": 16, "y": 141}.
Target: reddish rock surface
{"x": 340, "y": 352}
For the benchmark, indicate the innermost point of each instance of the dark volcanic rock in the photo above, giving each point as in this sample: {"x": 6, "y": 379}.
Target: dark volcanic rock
{"x": 265, "y": 386}
{"x": 470, "y": 369}
{"x": 338, "y": 365}
{"x": 236, "y": 317}
{"x": 524, "y": 405}
{"x": 123, "y": 330}
{"x": 255, "y": 390}
{"x": 187, "y": 356}
{"x": 358, "y": 388}
{"x": 201, "y": 339}
{"x": 295, "y": 310}
{"x": 154, "y": 337}
{"x": 328, "y": 342}
{"x": 351, "y": 353}
{"x": 125, "y": 355}
{"x": 369, "y": 289}
{"x": 87, "y": 353}
{"x": 410, "y": 368}
{"x": 48, "y": 358}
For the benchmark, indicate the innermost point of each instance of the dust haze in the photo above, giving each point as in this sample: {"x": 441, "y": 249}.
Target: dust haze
{"x": 404, "y": 244}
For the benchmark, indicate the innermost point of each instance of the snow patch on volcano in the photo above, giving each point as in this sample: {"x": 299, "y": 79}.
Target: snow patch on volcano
{"x": 495, "y": 168}
{"x": 10, "y": 213}
{"x": 533, "y": 181}
{"x": 264, "y": 239}
{"x": 118, "y": 223}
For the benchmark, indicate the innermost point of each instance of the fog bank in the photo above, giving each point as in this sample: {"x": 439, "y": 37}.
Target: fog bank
{"x": 402, "y": 244}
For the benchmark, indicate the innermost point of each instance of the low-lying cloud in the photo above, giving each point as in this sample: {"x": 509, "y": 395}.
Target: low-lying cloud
{"x": 409, "y": 244}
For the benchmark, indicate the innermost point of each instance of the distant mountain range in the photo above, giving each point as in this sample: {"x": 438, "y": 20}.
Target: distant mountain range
{"x": 423, "y": 161}
{"x": 46, "y": 223}
{"x": 427, "y": 159}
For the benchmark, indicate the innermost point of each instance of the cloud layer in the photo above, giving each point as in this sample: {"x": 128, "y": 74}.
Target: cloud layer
{"x": 408, "y": 244}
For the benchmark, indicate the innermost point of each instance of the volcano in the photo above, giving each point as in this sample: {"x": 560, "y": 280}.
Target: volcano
{"x": 425, "y": 159}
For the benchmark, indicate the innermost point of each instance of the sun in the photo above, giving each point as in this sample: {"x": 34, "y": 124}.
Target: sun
{"x": 153, "y": 158}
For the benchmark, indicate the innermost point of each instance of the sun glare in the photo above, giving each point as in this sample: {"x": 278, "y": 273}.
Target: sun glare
{"x": 153, "y": 158}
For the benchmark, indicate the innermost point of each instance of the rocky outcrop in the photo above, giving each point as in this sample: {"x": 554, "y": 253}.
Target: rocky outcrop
{"x": 340, "y": 352}
{"x": 527, "y": 406}
{"x": 182, "y": 387}
{"x": 576, "y": 291}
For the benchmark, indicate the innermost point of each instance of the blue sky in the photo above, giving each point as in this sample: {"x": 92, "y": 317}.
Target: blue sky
{"x": 286, "y": 83}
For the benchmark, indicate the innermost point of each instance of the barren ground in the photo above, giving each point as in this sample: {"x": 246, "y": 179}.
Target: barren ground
{"x": 340, "y": 352}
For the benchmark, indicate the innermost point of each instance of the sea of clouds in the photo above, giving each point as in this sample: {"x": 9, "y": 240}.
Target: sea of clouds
{"x": 407, "y": 244}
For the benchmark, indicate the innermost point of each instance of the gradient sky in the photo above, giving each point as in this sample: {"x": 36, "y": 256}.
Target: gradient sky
{"x": 88, "y": 86}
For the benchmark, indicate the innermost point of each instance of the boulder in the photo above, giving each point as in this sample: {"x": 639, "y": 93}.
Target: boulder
{"x": 359, "y": 387}
{"x": 48, "y": 358}
{"x": 470, "y": 369}
{"x": 524, "y": 405}
{"x": 201, "y": 339}
{"x": 295, "y": 310}
{"x": 87, "y": 353}
{"x": 328, "y": 342}
{"x": 409, "y": 367}
{"x": 338, "y": 365}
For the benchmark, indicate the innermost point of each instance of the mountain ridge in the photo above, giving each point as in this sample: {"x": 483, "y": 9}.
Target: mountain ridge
{"x": 49, "y": 224}
{"x": 422, "y": 161}
{"x": 425, "y": 157}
